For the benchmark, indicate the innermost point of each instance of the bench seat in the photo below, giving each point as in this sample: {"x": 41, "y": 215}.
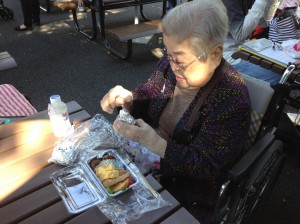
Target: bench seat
{"x": 128, "y": 32}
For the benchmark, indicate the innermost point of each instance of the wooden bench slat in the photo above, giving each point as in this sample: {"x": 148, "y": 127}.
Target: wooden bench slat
{"x": 241, "y": 54}
{"x": 27, "y": 184}
{"x": 149, "y": 217}
{"x": 19, "y": 126}
{"x": 254, "y": 59}
{"x": 29, "y": 205}
{"x": 277, "y": 69}
{"x": 181, "y": 216}
{"x": 266, "y": 64}
{"x": 56, "y": 213}
{"x": 36, "y": 133}
{"x": 66, "y": 5}
{"x": 93, "y": 215}
{"x": 133, "y": 31}
{"x": 47, "y": 196}
{"x": 34, "y": 163}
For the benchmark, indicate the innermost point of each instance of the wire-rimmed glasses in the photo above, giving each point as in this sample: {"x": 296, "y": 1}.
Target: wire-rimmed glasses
{"x": 180, "y": 65}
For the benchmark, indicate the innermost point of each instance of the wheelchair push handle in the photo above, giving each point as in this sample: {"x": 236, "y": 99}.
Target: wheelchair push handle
{"x": 287, "y": 73}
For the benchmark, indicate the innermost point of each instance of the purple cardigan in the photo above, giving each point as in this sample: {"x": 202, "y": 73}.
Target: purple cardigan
{"x": 197, "y": 169}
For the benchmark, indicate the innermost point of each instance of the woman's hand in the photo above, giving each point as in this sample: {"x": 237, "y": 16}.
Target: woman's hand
{"x": 143, "y": 133}
{"x": 116, "y": 97}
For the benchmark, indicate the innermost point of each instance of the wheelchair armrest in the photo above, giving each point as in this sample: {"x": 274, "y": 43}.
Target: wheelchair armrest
{"x": 240, "y": 169}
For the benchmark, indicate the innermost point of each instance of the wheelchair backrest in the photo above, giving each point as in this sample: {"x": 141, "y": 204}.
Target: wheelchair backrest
{"x": 260, "y": 93}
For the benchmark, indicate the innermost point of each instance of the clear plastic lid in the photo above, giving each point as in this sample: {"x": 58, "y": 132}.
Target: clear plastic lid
{"x": 79, "y": 186}
{"x": 76, "y": 188}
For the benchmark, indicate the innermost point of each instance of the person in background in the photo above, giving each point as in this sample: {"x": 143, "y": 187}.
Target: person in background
{"x": 31, "y": 14}
{"x": 244, "y": 16}
{"x": 193, "y": 161}
{"x": 288, "y": 3}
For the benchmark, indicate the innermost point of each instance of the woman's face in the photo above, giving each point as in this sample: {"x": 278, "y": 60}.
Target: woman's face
{"x": 195, "y": 73}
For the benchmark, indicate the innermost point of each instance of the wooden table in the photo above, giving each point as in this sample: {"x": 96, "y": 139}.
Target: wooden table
{"x": 264, "y": 63}
{"x": 28, "y": 196}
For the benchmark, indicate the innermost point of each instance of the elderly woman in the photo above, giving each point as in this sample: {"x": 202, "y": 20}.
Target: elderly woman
{"x": 194, "y": 111}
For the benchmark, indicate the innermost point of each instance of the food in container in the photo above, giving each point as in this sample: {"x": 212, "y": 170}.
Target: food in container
{"x": 90, "y": 182}
{"x": 112, "y": 172}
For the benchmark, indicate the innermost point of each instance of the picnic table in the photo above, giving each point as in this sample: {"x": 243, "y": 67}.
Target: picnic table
{"x": 28, "y": 196}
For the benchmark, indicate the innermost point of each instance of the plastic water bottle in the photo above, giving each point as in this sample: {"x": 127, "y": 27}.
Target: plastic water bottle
{"x": 59, "y": 117}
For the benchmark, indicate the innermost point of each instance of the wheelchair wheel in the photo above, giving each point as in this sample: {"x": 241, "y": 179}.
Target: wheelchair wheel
{"x": 3, "y": 14}
{"x": 259, "y": 184}
{"x": 10, "y": 13}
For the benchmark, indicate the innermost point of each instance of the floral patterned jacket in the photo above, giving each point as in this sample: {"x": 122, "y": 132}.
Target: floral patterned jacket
{"x": 220, "y": 129}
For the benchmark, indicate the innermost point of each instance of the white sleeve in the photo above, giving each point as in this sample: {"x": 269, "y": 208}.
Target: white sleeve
{"x": 252, "y": 19}
{"x": 270, "y": 10}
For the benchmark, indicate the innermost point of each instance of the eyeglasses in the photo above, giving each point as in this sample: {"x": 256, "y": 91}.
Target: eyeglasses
{"x": 182, "y": 66}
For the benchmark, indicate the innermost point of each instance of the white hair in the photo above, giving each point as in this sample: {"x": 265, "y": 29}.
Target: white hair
{"x": 204, "y": 23}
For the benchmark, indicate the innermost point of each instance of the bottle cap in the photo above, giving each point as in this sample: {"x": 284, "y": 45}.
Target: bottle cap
{"x": 54, "y": 99}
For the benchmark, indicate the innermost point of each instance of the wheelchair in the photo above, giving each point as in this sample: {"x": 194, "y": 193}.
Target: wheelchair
{"x": 5, "y": 13}
{"x": 253, "y": 176}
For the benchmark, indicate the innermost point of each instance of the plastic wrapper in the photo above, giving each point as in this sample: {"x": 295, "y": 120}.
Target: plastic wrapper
{"x": 143, "y": 198}
{"x": 95, "y": 138}
{"x": 142, "y": 155}
{"x": 121, "y": 211}
{"x": 80, "y": 190}
{"x": 96, "y": 132}
{"x": 291, "y": 47}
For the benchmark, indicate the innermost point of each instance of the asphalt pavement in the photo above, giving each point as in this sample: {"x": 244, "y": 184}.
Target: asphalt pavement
{"x": 55, "y": 59}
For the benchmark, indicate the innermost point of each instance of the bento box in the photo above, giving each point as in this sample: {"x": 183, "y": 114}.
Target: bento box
{"x": 94, "y": 179}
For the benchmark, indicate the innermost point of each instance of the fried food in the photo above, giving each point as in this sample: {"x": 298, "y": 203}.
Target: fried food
{"x": 120, "y": 186}
{"x": 107, "y": 167}
{"x": 108, "y": 174}
{"x": 113, "y": 179}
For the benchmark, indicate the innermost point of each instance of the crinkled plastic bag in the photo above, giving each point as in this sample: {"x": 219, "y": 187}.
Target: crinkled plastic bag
{"x": 288, "y": 47}
{"x": 121, "y": 211}
{"x": 96, "y": 132}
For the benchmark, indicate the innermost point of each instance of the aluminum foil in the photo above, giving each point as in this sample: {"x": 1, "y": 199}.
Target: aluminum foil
{"x": 125, "y": 116}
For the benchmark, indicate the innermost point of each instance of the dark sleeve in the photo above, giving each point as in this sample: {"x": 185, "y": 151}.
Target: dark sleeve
{"x": 149, "y": 91}
{"x": 218, "y": 142}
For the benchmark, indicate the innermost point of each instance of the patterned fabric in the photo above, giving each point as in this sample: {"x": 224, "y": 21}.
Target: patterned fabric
{"x": 284, "y": 29}
{"x": 288, "y": 3}
{"x": 256, "y": 119}
{"x": 13, "y": 103}
{"x": 197, "y": 170}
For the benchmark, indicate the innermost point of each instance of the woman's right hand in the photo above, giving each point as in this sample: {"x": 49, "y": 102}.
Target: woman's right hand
{"x": 116, "y": 97}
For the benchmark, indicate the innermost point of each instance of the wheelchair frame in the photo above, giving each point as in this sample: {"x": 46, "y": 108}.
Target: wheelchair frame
{"x": 5, "y": 13}
{"x": 253, "y": 177}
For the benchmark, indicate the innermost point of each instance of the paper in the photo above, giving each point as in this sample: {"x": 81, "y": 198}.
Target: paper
{"x": 258, "y": 44}
{"x": 81, "y": 194}
{"x": 266, "y": 51}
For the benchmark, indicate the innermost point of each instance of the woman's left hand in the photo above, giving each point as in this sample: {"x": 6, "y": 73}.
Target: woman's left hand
{"x": 144, "y": 134}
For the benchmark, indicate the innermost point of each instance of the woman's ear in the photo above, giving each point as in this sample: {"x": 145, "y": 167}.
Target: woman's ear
{"x": 217, "y": 52}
